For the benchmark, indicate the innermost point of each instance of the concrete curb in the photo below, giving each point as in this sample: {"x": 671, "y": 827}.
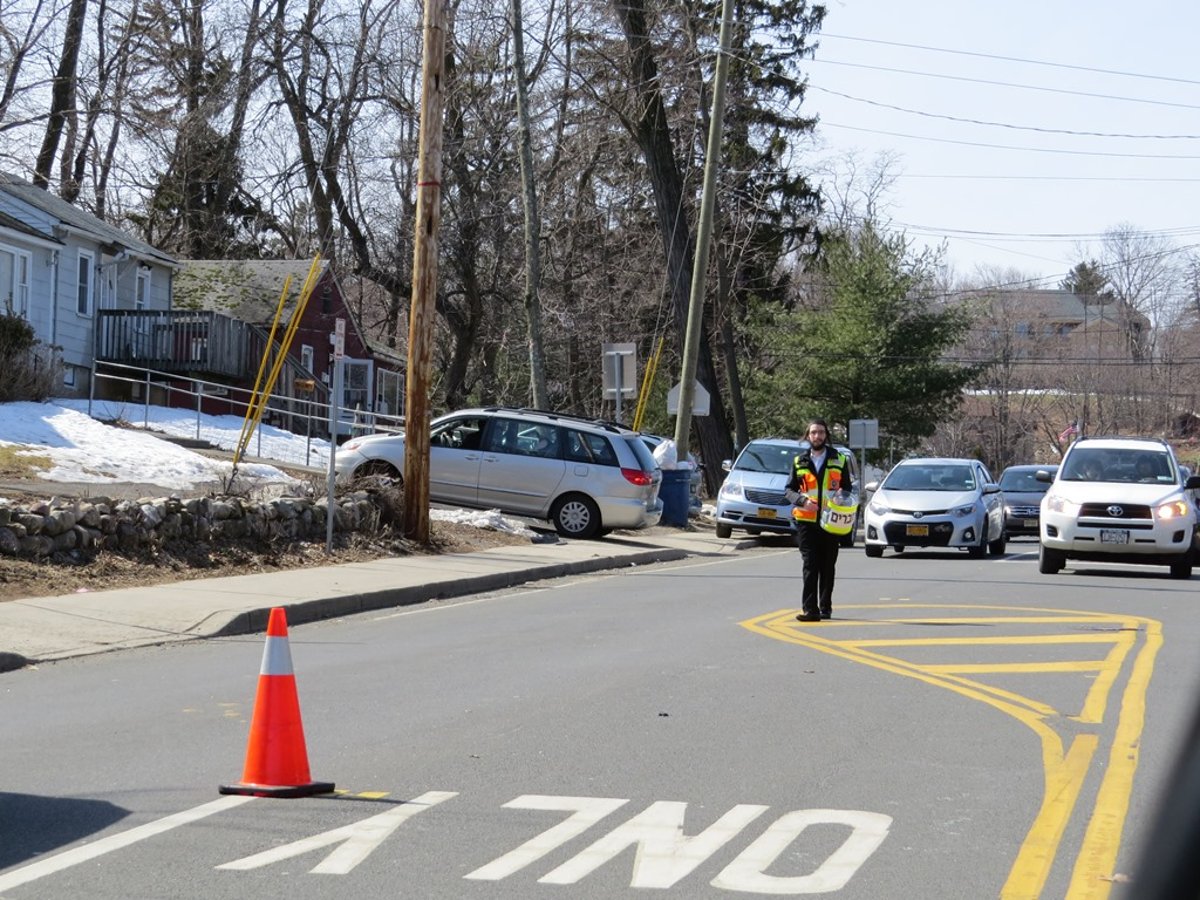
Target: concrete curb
{"x": 255, "y": 621}
{"x": 232, "y": 621}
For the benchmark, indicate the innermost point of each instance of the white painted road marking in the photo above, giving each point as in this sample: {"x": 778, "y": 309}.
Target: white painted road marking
{"x": 748, "y": 872}
{"x": 664, "y": 853}
{"x": 357, "y": 840}
{"x": 587, "y": 812}
{"x": 69, "y": 858}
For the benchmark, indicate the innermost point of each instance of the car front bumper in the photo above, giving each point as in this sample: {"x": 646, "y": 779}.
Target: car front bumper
{"x": 928, "y": 531}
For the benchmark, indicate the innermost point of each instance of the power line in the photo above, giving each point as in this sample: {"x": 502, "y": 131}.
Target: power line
{"x": 916, "y": 137}
{"x": 948, "y": 118}
{"x": 1011, "y": 84}
{"x": 1110, "y": 178}
{"x": 1032, "y": 62}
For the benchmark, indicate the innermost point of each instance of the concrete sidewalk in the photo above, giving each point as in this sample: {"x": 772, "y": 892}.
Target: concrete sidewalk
{"x": 43, "y": 629}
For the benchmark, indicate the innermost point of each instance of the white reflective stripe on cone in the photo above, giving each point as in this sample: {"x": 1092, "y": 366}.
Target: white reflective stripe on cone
{"x": 277, "y": 657}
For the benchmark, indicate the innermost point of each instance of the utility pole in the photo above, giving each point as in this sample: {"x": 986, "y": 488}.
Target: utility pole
{"x": 712, "y": 155}
{"x": 424, "y": 290}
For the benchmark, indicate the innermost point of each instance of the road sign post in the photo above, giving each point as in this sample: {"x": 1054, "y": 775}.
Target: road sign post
{"x": 620, "y": 372}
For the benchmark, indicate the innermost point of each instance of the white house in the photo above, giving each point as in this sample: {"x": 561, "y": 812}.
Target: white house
{"x": 60, "y": 266}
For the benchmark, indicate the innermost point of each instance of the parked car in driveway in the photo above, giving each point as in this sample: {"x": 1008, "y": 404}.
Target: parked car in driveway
{"x": 1120, "y": 499}
{"x": 1022, "y": 493}
{"x": 935, "y": 502}
{"x": 751, "y": 497}
{"x": 586, "y": 476}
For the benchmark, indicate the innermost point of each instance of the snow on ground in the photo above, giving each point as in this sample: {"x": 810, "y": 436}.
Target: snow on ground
{"x": 84, "y": 450}
{"x": 267, "y": 441}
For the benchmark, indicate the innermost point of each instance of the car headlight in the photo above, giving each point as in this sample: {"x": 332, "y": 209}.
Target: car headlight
{"x": 878, "y": 508}
{"x": 1172, "y": 509}
{"x": 731, "y": 490}
{"x": 964, "y": 510}
{"x": 1058, "y": 504}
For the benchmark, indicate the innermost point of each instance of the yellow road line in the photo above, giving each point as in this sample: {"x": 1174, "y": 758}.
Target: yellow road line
{"x": 1067, "y": 665}
{"x": 1097, "y": 858}
{"x": 1064, "y": 773}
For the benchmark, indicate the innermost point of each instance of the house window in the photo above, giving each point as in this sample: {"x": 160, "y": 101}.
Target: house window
{"x": 14, "y": 282}
{"x": 84, "y": 285}
{"x": 141, "y": 297}
{"x": 69, "y": 376}
{"x": 306, "y": 357}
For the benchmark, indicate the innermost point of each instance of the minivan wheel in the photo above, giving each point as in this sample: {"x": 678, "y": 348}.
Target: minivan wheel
{"x": 1050, "y": 561}
{"x": 1182, "y": 567}
{"x": 575, "y": 516}
{"x": 378, "y": 468}
{"x": 724, "y": 531}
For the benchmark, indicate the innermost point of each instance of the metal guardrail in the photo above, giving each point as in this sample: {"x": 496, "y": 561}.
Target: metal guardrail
{"x": 306, "y": 416}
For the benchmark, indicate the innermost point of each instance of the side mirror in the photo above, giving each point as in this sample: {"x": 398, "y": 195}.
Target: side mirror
{"x": 871, "y": 486}
{"x": 991, "y": 488}
{"x": 1193, "y": 483}
{"x": 1043, "y": 475}
{"x": 726, "y": 465}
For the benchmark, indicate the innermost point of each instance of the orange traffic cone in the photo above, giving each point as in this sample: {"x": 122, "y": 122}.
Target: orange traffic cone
{"x": 276, "y": 761}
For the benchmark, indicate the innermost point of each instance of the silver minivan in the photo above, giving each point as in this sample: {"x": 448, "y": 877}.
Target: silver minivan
{"x": 586, "y": 476}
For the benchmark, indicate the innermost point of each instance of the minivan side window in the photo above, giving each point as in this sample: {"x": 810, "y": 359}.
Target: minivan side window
{"x": 504, "y": 436}
{"x": 588, "y": 448}
{"x": 460, "y": 434}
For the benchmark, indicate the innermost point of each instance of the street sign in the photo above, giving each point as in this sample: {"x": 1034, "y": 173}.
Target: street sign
{"x": 339, "y": 338}
{"x": 620, "y": 370}
{"x": 700, "y": 402}
{"x": 864, "y": 434}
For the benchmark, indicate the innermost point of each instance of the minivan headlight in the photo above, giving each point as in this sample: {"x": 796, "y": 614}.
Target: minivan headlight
{"x": 731, "y": 490}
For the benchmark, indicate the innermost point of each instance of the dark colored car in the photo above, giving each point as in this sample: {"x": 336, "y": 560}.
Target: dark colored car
{"x": 1022, "y": 494}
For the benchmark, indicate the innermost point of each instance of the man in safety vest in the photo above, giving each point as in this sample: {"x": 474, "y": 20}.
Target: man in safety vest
{"x": 821, "y": 491}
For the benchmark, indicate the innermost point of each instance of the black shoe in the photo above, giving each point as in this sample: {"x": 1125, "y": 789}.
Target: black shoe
{"x": 808, "y": 617}
{"x": 826, "y": 614}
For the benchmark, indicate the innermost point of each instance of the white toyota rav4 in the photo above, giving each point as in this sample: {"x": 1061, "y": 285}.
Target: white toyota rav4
{"x": 1120, "y": 500}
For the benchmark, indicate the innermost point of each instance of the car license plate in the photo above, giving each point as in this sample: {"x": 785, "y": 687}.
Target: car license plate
{"x": 765, "y": 512}
{"x": 1114, "y": 536}
{"x": 1030, "y": 523}
{"x": 917, "y": 530}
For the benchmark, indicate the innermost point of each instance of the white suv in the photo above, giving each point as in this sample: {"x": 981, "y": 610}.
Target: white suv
{"x": 1120, "y": 500}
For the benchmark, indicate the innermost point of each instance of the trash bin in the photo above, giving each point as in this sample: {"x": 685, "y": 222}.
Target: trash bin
{"x": 674, "y": 495}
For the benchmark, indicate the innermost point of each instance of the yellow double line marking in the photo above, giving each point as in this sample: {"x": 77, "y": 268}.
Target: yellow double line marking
{"x": 1064, "y": 768}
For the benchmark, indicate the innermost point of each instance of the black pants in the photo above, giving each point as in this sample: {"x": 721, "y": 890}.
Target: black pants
{"x": 819, "y": 550}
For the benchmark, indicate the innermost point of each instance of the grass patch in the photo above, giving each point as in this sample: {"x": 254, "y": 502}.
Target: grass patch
{"x": 16, "y": 462}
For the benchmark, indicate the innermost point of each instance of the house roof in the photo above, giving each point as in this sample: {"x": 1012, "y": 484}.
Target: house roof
{"x": 78, "y": 219}
{"x": 7, "y": 221}
{"x": 249, "y": 290}
{"x": 246, "y": 289}
{"x": 1059, "y": 306}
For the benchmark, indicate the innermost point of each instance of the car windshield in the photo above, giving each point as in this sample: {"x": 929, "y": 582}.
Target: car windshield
{"x": 936, "y": 477}
{"x": 1024, "y": 480}
{"x": 765, "y": 457}
{"x": 1102, "y": 464}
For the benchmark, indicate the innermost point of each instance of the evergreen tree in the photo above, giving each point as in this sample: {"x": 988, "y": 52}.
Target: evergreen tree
{"x": 868, "y": 342}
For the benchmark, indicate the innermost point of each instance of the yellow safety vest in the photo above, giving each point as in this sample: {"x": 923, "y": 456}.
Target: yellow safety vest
{"x": 834, "y": 513}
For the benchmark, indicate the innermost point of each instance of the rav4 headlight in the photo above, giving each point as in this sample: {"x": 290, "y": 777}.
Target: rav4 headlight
{"x": 1059, "y": 504}
{"x": 1172, "y": 509}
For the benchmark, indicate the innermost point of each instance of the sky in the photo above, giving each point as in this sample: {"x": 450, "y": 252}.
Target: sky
{"x": 84, "y": 450}
{"x": 1015, "y": 193}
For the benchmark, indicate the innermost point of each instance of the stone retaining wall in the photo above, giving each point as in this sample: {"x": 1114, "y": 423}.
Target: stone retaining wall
{"x": 42, "y": 529}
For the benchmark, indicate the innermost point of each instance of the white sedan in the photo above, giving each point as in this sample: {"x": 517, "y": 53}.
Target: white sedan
{"x": 936, "y": 502}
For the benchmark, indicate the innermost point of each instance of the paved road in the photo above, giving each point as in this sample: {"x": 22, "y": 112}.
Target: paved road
{"x": 960, "y": 729}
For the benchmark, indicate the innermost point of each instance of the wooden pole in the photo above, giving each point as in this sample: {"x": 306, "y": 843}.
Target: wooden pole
{"x": 424, "y": 292}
